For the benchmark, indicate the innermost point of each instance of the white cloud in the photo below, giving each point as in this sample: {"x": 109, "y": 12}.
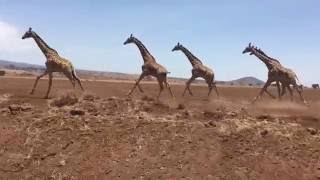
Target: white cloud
{"x": 10, "y": 39}
{"x": 12, "y": 47}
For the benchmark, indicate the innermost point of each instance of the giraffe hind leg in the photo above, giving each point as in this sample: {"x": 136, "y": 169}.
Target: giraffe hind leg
{"x": 169, "y": 88}
{"x": 215, "y": 89}
{"x": 71, "y": 78}
{"x": 77, "y": 79}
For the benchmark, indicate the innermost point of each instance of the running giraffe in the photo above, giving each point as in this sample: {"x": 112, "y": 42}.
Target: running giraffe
{"x": 150, "y": 67}
{"x": 54, "y": 63}
{"x": 198, "y": 70}
{"x": 277, "y": 73}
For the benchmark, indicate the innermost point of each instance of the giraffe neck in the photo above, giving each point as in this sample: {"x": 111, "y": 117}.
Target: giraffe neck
{"x": 193, "y": 59}
{"x": 265, "y": 59}
{"x": 146, "y": 56}
{"x": 44, "y": 47}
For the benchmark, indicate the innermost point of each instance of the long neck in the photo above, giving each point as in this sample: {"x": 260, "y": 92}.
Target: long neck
{"x": 146, "y": 56}
{"x": 266, "y": 60}
{"x": 193, "y": 59}
{"x": 43, "y": 45}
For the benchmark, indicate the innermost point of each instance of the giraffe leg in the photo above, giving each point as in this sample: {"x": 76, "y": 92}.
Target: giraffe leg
{"x": 290, "y": 91}
{"x": 71, "y": 78}
{"x": 137, "y": 83}
{"x": 283, "y": 90}
{"x": 262, "y": 90}
{"x": 215, "y": 89}
{"x": 77, "y": 79}
{"x": 300, "y": 94}
{"x": 36, "y": 82}
{"x": 161, "y": 88}
{"x": 279, "y": 90}
{"x": 169, "y": 88}
{"x": 267, "y": 92}
{"x": 140, "y": 88}
{"x": 188, "y": 86}
{"x": 49, "y": 87}
{"x": 210, "y": 89}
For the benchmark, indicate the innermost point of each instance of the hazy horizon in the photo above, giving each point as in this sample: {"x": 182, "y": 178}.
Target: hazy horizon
{"x": 91, "y": 34}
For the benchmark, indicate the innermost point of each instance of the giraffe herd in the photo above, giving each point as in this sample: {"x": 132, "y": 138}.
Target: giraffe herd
{"x": 283, "y": 77}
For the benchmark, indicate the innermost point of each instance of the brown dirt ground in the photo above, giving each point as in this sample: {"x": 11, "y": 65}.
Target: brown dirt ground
{"x": 102, "y": 134}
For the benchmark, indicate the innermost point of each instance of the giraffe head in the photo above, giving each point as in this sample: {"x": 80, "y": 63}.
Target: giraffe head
{"x": 177, "y": 47}
{"x": 28, "y": 34}
{"x": 129, "y": 40}
{"x": 248, "y": 49}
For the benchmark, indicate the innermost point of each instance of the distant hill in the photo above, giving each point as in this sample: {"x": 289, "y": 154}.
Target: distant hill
{"x": 19, "y": 66}
{"x": 31, "y": 69}
{"x": 247, "y": 81}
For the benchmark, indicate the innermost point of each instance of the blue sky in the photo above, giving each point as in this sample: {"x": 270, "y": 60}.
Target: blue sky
{"x": 91, "y": 34}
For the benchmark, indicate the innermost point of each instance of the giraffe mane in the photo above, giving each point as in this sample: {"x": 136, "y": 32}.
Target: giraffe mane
{"x": 143, "y": 46}
{"x": 191, "y": 53}
{"x": 37, "y": 36}
{"x": 264, "y": 54}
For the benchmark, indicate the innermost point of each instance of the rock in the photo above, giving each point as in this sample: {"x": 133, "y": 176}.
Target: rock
{"x": 312, "y": 131}
{"x": 89, "y": 97}
{"x": 181, "y": 106}
{"x": 232, "y": 114}
{"x": 62, "y": 163}
{"x": 265, "y": 117}
{"x": 211, "y": 123}
{"x": 16, "y": 108}
{"x": 147, "y": 98}
{"x": 264, "y": 132}
{"x": 75, "y": 112}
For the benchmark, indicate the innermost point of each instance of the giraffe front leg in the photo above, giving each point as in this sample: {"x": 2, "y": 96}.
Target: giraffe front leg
{"x": 137, "y": 83}
{"x": 140, "y": 88}
{"x": 272, "y": 96}
{"x": 188, "y": 86}
{"x": 36, "y": 82}
{"x": 262, "y": 90}
{"x": 49, "y": 87}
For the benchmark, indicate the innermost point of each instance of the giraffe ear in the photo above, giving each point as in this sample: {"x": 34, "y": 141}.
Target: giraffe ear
{"x": 30, "y": 29}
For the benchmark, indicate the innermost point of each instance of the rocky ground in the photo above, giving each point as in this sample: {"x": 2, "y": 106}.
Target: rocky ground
{"x": 88, "y": 137}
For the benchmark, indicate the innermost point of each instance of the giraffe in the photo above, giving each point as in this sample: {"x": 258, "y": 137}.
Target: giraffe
{"x": 198, "y": 70}
{"x": 54, "y": 63}
{"x": 149, "y": 68}
{"x": 289, "y": 73}
{"x": 276, "y": 72}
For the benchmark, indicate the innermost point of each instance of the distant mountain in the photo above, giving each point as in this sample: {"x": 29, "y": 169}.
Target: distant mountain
{"x": 19, "y": 65}
{"x": 246, "y": 81}
{"x": 31, "y": 69}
